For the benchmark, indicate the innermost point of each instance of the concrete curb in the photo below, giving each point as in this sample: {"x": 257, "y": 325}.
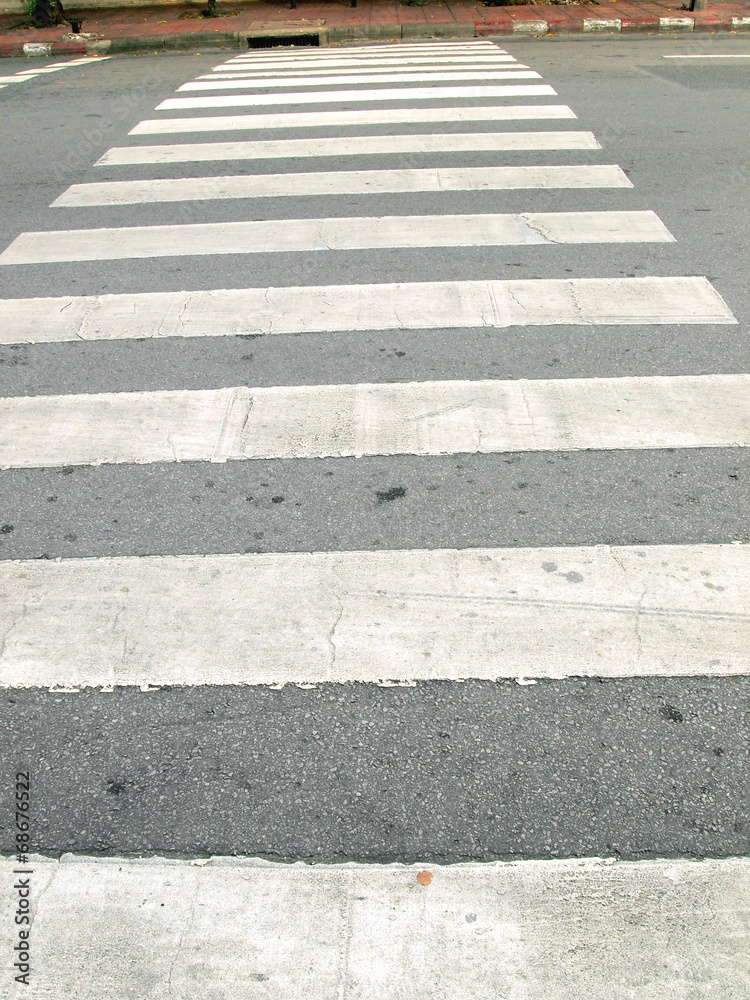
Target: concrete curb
{"x": 520, "y": 26}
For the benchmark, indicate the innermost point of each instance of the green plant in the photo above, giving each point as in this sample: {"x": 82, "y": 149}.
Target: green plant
{"x": 45, "y": 12}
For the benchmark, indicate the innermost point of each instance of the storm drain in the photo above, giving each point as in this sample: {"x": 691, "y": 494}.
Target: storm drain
{"x": 271, "y": 41}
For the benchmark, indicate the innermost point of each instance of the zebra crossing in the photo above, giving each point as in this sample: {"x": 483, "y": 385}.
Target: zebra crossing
{"x": 304, "y": 643}
{"x": 24, "y": 75}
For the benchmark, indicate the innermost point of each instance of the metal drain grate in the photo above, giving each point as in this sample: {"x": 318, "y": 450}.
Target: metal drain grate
{"x": 271, "y": 41}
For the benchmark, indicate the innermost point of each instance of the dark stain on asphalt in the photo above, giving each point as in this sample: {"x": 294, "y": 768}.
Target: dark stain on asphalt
{"x": 394, "y": 493}
{"x": 670, "y": 713}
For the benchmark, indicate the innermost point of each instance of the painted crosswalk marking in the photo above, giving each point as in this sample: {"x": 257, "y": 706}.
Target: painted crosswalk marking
{"x": 364, "y": 233}
{"x": 324, "y": 76}
{"x": 415, "y": 418}
{"x": 373, "y": 51}
{"x": 362, "y": 72}
{"x": 366, "y": 116}
{"x": 354, "y": 308}
{"x": 387, "y": 78}
{"x": 29, "y": 74}
{"x": 342, "y": 182}
{"x": 340, "y": 60}
{"x": 526, "y": 924}
{"x": 664, "y": 612}
{"x": 384, "y": 94}
{"x": 405, "y": 615}
{"x": 355, "y": 145}
{"x": 333, "y": 67}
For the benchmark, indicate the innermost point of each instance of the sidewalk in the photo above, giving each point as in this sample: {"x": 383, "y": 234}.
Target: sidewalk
{"x": 334, "y": 22}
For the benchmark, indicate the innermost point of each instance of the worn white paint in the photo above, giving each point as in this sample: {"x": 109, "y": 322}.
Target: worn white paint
{"x": 331, "y": 60}
{"x": 602, "y": 24}
{"x": 333, "y": 66}
{"x": 374, "y": 616}
{"x": 441, "y": 76}
{"x": 342, "y": 182}
{"x": 347, "y": 145}
{"x": 402, "y": 49}
{"x": 676, "y": 23}
{"x": 339, "y": 308}
{"x": 526, "y": 26}
{"x": 298, "y": 235}
{"x": 722, "y": 55}
{"x": 29, "y": 74}
{"x": 527, "y": 930}
{"x": 365, "y": 116}
{"x": 384, "y": 95}
{"x": 401, "y": 418}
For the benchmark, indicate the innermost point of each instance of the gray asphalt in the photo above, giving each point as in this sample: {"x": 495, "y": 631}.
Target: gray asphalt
{"x": 559, "y": 769}
{"x": 438, "y": 772}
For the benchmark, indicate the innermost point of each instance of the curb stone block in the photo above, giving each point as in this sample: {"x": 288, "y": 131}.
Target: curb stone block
{"x": 528, "y": 27}
{"x": 450, "y": 30}
{"x": 175, "y": 43}
{"x": 376, "y": 32}
{"x": 741, "y": 24}
{"x": 602, "y": 24}
{"x": 640, "y": 24}
{"x": 563, "y": 26}
{"x": 502, "y": 28}
{"x": 37, "y": 48}
{"x": 676, "y": 24}
{"x": 711, "y": 23}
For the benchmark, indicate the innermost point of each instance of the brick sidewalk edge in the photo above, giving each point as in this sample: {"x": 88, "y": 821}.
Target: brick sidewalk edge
{"x": 530, "y": 28}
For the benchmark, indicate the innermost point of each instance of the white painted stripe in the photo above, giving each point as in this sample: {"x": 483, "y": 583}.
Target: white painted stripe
{"x": 725, "y": 55}
{"x": 358, "y": 308}
{"x": 602, "y": 24}
{"x": 537, "y": 930}
{"x": 412, "y": 72}
{"x": 364, "y": 233}
{"x": 528, "y": 27}
{"x": 676, "y": 23}
{"x": 350, "y": 96}
{"x": 347, "y": 145}
{"x": 29, "y": 74}
{"x": 342, "y": 182}
{"x": 364, "y": 116}
{"x": 370, "y": 51}
{"x": 400, "y": 615}
{"x": 392, "y": 53}
{"x": 415, "y": 418}
{"x": 441, "y": 76}
{"x": 342, "y": 60}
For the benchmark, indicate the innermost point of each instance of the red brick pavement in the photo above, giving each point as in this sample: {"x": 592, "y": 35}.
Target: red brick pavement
{"x": 156, "y": 28}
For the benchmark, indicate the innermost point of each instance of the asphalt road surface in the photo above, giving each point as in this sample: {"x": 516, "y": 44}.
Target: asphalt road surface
{"x": 475, "y": 516}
